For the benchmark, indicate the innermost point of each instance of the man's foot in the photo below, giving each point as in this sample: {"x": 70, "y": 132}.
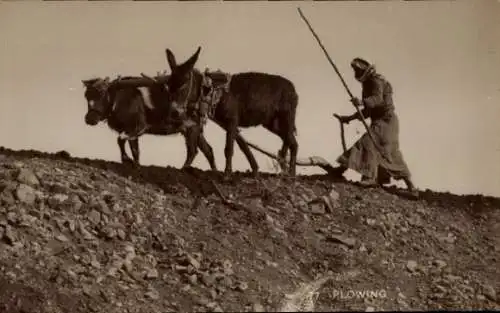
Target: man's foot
{"x": 367, "y": 183}
{"x": 338, "y": 172}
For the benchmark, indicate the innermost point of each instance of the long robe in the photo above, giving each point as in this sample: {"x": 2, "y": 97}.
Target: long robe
{"x": 363, "y": 156}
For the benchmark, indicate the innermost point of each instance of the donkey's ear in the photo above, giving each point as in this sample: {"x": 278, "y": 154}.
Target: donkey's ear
{"x": 189, "y": 64}
{"x": 171, "y": 59}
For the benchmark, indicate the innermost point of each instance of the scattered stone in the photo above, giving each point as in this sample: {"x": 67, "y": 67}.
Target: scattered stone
{"x": 440, "y": 263}
{"x": 241, "y": 286}
{"x": 94, "y": 217}
{"x": 62, "y": 238}
{"x": 57, "y": 200}
{"x": 203, "y": 301}
{"x": 302, "y": 206}
{"x": 109, "y": 232}
{"x": 213, "y": 294}
{"x": 95, "y": 263}
{"x": 85, "y": 233}
{"x": 317, "y": 207}
{"x": 152, "y": 273}
{"x": 121, "y": 234}
{"x": 193, "y": 279}
{"x": 75, "y": 203}
{"x": 6, "y": 197}
{"x": 450, "y": 238}
{"x": 193, "y": 261}
{"x": 370, "y": 221}
{"x": 332, "y": 200}
{"x": 152, "y": 294}
{"x": 228, "y": 267}
{"x": 28, "y": 177}
{"x": 208, "y": 279}
{"x": 257, "y": 307}
{"x": 12, "y": 218}
{"x": 349, "y": 242}
{"x": 490, "y": 293}
{"x": 411, "y": 266}
{"x": 227, "y": 282}
{"x": 9, "y": 235}
{"x": 214, "y": 307}
{"x": 26, "y": 194}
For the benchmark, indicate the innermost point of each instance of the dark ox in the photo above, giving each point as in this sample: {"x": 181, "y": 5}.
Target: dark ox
{"x": 133, "y": 111}
{"x": 252, "y": 99}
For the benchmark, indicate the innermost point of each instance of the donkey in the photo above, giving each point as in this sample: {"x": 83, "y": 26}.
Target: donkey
{"x": 252, "y": 99}
{"x": 133, "y": 111}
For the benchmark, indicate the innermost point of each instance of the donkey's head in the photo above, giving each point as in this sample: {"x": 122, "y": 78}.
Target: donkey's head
{"x": 181, "y": 85}
{"x": 98, "y": 100}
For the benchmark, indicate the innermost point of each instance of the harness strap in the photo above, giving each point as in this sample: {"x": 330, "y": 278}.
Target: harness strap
{"x": 210, "y": 93}
{"x": 214, "y": 92}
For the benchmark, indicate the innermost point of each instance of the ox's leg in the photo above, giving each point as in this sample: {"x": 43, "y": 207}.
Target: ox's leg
{"x": 125, "y": 158}
{"x": 276, "y": 127}
{"x": 248, "y": 154}
{"x": 290, "y": 142}
{"x": 134, "y": 147}
{"x": 282, "y": 155}
{"x": 285, "y": 130}
{"x": 191, "y": 138}
{"x": 294, "y": 148}
{"x": 207, "y": 150}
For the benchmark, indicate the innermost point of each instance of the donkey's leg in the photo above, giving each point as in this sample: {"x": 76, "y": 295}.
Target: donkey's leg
{"x": 248, "y": 154}
{"x": 123, "y": 154}
{"x": 134, "y": 147}
{"x": 231, "y": 133}
{"x": 191, "y": 138}
{"x": 207, "y": 150}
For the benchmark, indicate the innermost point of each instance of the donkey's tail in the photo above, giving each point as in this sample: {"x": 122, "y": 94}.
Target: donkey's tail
{"x": 294, "y": 101}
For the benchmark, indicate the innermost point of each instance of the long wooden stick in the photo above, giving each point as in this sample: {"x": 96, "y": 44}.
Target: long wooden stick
{"x": 342, "y": 80}
{"x": 309, "y": 161}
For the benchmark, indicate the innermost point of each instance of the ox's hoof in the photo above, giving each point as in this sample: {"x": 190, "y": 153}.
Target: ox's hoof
{"x": 413, "y": 195}
{"x": 188, "y": 169}
{"x": 128, "y": 162}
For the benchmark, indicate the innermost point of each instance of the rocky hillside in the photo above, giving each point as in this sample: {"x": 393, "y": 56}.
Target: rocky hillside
{"x": 80, "y": 235}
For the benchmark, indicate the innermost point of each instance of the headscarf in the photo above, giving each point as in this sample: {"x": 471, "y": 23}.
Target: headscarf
{"x": 364, "y": 67}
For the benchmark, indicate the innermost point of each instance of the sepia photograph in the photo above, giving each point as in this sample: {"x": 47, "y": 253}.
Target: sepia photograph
{"x": 249, "y": 156}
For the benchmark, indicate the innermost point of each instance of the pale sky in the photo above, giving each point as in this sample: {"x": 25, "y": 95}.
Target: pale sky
{"x": 442, "y": 58}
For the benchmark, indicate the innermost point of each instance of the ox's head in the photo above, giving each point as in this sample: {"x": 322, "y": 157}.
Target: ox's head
{"x": 98, "y": 100}
{"x": 181, "y": 84}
